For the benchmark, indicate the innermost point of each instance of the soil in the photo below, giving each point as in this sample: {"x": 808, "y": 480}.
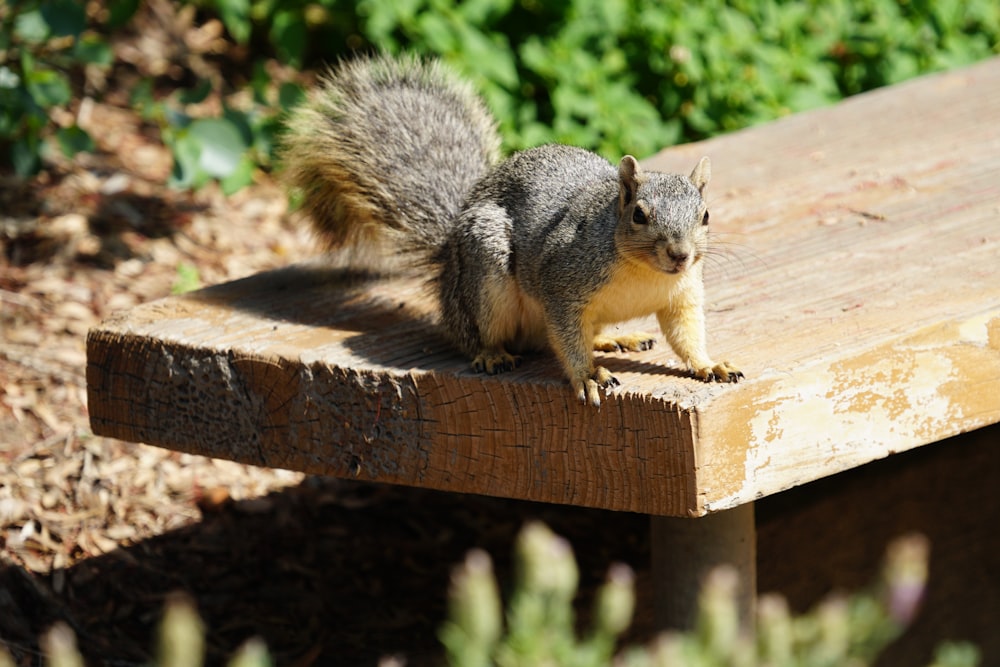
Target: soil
{"x": 99, "y": 533}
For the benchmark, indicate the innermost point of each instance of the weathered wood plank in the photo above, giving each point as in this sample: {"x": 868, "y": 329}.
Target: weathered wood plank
{"x": 288, "y": 370}
{"x": 870, "y": 288}
{"x": 861, "y": 295}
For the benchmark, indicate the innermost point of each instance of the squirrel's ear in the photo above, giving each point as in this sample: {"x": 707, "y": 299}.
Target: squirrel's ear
{"x": 629, "y": 175}
{"x": 702, "y": 174}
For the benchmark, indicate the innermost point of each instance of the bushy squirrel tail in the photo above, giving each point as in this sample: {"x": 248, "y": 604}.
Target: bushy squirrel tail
{"x": 385, "y": 150}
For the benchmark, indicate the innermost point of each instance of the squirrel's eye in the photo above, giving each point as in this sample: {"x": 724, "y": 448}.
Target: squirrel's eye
{"x": 704, "y": 218}
{"x": 639, "y": 216}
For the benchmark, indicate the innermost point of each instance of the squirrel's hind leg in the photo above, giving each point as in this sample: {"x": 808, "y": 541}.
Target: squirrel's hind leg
{"x": 502, "y": 320}
{"x": 482, "y": 307}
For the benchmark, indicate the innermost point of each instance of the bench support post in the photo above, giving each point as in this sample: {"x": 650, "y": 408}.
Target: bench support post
{"x": 685, "y": 550}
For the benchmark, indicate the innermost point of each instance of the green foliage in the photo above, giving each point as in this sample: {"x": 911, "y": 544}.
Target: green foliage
{"x": 631, "y": 76}
{"x": 46, "y": 44}
{"x": 43, "y": 45}
{"x": 619, "y": 76}
{"x": 228, "y": 148}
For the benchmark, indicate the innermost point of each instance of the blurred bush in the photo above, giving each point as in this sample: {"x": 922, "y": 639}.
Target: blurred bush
{"x": 41, "y": 44}
{"x": 631, "y": 75}
{"x": 618, "y": 76}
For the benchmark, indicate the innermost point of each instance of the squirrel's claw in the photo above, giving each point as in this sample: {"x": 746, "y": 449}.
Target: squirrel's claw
{"x": 721, "y": 372}
{"x": 492, "y": 363}
{"x": 588, "y": 390}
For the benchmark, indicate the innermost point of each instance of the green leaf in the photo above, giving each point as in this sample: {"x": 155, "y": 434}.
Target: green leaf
{"x": 9, "y": 80}
{"x": 288, "y": 35}
{"x": 175, "y": 117}
{"x": 24, "y": 155}
{"x": 11, "y": 113}
{"x": 221, "y": 146}
{"x": 537, "y": 56}
{"x": 264, "y": 139}
{"x": 120, "y": 11}
{"x": 437, "y": 32}
{"x": 260, "y": 82}
{"x": 94, "y": 50}
{"x": 31, "y": 27}
{"x": 47, "y": 87}
{"x": 479, "y": 52}
{"x": 141, "y": 97}
{"x": 73, "y": 140}
{"x": 290, "y": 95}
{"x": 197, "y": 94}
{"x": 65, "y": 18}
{"x": 236, "y": 17}
{"x": 186, "y": 172}
{"x": 242, "y": 122}
{"x": 206, "y": 148}
{"x": 383, "y": 18}
{"x": 480, "y": 12}
{"x": 240, "y": 177}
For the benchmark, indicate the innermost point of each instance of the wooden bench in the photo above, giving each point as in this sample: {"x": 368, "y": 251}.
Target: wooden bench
{"x": 858, "y": 287}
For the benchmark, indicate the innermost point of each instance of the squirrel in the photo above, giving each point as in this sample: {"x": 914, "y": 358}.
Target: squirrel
{"x": 399, "y": 155}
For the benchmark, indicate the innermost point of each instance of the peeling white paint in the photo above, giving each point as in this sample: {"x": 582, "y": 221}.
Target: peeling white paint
{"x": 976, "y": 330}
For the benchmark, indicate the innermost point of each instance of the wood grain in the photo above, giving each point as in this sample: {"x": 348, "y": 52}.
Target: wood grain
{"x": 857, "y": 283}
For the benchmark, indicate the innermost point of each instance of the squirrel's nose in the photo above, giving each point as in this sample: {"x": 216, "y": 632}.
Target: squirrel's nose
{"x": 678, "y": 257}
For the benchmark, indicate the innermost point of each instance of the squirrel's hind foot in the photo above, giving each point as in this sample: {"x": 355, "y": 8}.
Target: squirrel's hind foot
{"x": 721, "y": 372}
{"x": 495, "y": 361}
{"x": 637, "y": 341}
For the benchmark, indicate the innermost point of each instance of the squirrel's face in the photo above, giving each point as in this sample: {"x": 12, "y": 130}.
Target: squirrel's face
{"x": 663, "y": 220}
{"x": 668, "y": 235}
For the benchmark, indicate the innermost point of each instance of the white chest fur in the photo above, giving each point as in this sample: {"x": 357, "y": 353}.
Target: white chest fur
{"x": 636, "y": 291}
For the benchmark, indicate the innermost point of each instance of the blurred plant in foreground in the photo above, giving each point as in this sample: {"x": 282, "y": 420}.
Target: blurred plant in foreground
{"x": 843, "y": 631}
{"x": 181, "y": 643}
{"x": 538, "y": 628}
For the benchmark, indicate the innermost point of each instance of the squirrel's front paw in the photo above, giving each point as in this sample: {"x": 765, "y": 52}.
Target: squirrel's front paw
{"x": 721, "y": 372}
{"x": 588, "y": 390}
{"x": 492, "y": 363}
